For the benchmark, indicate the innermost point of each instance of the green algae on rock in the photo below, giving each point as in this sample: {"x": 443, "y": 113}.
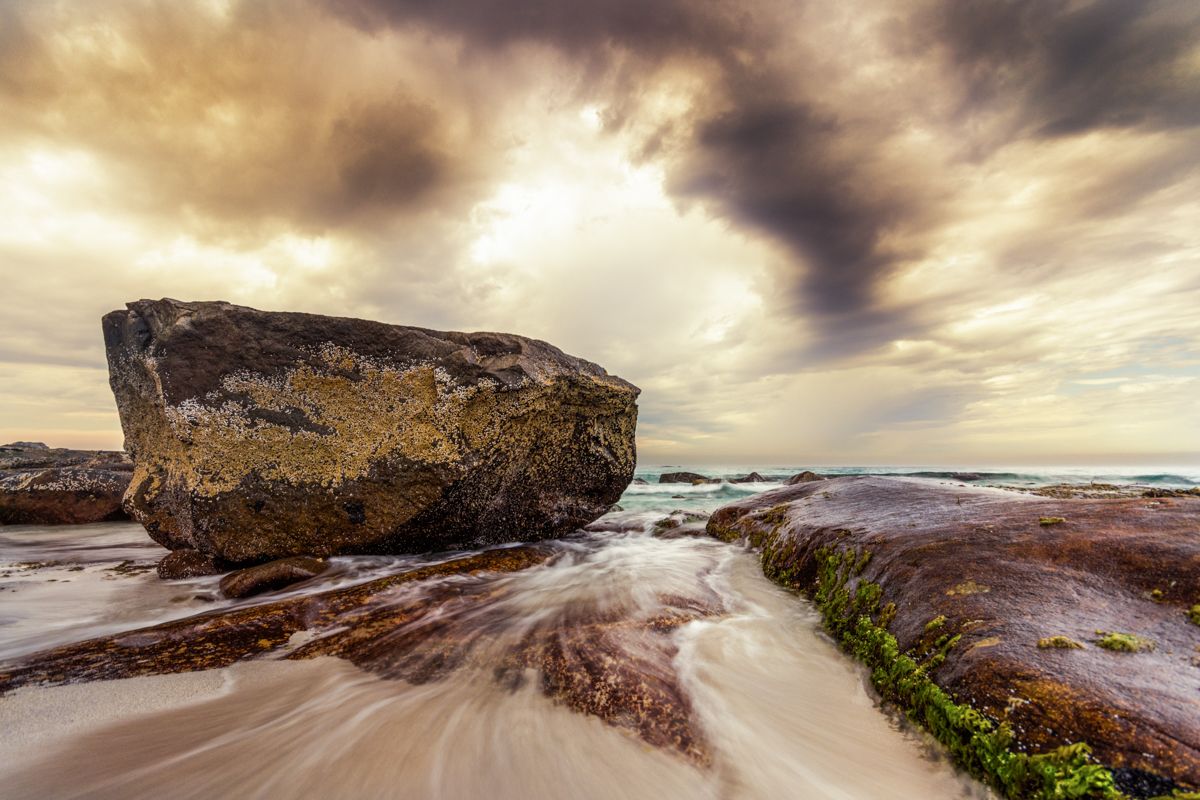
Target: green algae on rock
{"x": 1029, "y": 720}
{"x": 1059, "y": 643}
{"x": 259, "y": 435}
{"x": 1123, "y": 642}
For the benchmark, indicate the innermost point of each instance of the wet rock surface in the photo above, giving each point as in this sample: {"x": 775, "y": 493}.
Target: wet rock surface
{"x": 979, "y": 575}
{"x": 187, "y": 563}
{"x": 261, "y": 435}
{"x": 271, "y": 576}
{"x": 41, "y": 485}
{"x": 423, "y": 623}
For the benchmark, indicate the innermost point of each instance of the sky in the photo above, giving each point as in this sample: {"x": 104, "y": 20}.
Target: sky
{"x": 813, "y": 232}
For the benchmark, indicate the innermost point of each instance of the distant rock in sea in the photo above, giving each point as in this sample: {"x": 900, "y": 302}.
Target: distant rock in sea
{"x": 258, "y": 435}
{"x": 755, "y": 477}
{"x": 686, "y": 477}
{"x": 40, "y": 485}
{"x": 1066, "y": 620}
{"x": 807, "y": 476}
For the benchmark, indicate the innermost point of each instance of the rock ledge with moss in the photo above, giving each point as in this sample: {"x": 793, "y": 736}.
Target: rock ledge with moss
{"x": 258, "y": 435}
{"x": 1053, "y": 660}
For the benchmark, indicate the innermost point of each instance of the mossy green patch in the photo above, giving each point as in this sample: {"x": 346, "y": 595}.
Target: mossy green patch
{"x": 1123, "y": 642}
{"x": 1047, "y": 521}
{"x": 1059, "y": 643}
{"x": 967, "y": 587}
{"x": 981, "y": 746}
{"x": 1194, "y": 614}
{"x": 935, "y": 623}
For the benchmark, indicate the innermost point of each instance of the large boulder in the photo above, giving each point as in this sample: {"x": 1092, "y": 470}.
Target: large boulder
{"x": 1010, "y": 624}
{"x": 41, "y": 485}
{"x": 259, "y": 435}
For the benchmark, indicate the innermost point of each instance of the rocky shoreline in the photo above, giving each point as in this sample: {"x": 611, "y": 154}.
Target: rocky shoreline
{"x": 1047, "y": 636}
{"x": 40, "y": 485}
{"x": 1049, "y": 643}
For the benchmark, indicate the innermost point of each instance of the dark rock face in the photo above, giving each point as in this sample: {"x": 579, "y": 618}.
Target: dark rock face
{"x": 753, "y": 477}
{"x": 187, "y": 563}
{"x": 40, "y": 485}
{"x": 260, "y": 435}
{"x": 1004, "y": 572}
{"x": 272, "y": 575}
{"x": 685, "y": 477}
{"x": 803, "y": 477}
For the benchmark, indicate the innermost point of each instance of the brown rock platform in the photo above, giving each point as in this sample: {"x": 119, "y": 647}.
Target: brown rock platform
{"x": 1005, "y": 571}
{"x": 419, "y": 625}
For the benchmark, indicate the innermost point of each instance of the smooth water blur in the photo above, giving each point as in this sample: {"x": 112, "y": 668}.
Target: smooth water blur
{"x": 775, "y": 708}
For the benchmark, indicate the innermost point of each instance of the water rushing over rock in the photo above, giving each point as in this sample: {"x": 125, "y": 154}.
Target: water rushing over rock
{"x": 620, "y": 663}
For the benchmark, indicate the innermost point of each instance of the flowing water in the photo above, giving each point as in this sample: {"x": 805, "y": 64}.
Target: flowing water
{"x": 634, "y": 660}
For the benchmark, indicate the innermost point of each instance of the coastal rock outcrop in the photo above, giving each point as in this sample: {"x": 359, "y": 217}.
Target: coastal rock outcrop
{"x": 1009, "y": 624}
{"x": 42, "y": 485}
{"x": 259, "y": 435}
{"x": 808, "y": 476}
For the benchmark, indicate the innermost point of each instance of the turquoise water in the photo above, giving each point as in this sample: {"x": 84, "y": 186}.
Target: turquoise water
{"x": 654, "y": 496}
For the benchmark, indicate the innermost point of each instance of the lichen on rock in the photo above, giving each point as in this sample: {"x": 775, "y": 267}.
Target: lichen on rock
{"x": 259, "y": 435}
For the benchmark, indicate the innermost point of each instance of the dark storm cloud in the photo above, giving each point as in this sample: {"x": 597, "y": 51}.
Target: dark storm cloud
{"x": 386, "y": 158}
{"x": 240, "y": 121}
{"x": 1068, "y": 67}
{"x": 648, "y": 26}
{"x": 770, "y": 167}
{"x": 760, "y": 148}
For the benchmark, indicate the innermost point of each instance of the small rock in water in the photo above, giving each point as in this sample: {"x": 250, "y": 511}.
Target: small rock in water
{"x": 187, "y": 563}
{"x": 807, "y": 476}
{"x": 271, "y": 576}
{"x": 685, "y": 477}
